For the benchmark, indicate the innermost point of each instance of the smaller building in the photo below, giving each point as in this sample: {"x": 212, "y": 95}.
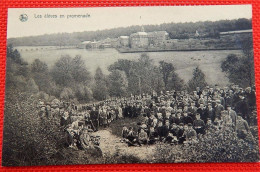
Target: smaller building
{"x": 84, "y": 44}
{"x": 124, "y": 41}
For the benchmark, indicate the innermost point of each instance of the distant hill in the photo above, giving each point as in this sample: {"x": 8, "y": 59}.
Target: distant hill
{"x": 175, "y": 30}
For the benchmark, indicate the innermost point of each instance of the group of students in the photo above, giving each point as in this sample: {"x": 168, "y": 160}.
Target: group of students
{"x": 173, "y": 116}
{"x": 178, "y": 117}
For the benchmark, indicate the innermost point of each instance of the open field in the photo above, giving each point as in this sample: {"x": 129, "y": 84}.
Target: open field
{"x": 184, "y": 62}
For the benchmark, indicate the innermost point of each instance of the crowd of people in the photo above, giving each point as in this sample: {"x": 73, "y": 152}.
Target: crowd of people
{"x": 173, "y": 117}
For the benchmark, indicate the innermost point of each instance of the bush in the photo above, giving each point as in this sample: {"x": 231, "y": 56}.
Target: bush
{"x": 220, "y": 145}
{"x": 28, "y": 140}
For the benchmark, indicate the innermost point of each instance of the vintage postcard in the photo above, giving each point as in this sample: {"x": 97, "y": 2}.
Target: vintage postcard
{"x": 109, "y": 85}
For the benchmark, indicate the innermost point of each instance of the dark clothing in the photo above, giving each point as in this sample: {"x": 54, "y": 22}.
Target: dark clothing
{"x": 181, "y": 137}
{"x": 177, "y": 120}
{"x": 242, "y": 107}
{"x": 65, "y": 122}
{"x": 187, "y": 120}
{"x": 203, "y": 114}
{"x": 163, "y": 131}
{"x": 218, "y": 110}
{"x": 211, "y": 114}
{"x": 152, "y": 137}
{"x": 199, "y": 126}
{"x": 251, "y": 99}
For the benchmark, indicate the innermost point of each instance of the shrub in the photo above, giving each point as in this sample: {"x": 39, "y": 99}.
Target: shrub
{"x": 220, "y": 145}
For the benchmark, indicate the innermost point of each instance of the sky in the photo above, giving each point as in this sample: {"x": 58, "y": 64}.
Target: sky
{"x": 112, "y": 17}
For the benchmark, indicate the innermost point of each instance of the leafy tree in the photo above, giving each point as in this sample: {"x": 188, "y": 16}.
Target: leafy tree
{"x": 83, "y": 93}
{"x": 41, "y": 75}
{"x": 166, "y": 69}
{"x": 175, "y": 82}
{"x": 198, "y": 80}
{"x": 62, "y": 71}
{"x": 79, "y": 71}
{"x": 67, "y": 94}
{"x": 67, "y": 71}
{"x": 100, "y": 90}
{"x": 17, "y": 70}
{"x": 123, "y": 65}
{"x": 118, "y": 83}
{"x": 32, "y": 86}
{"x": 240, "y": 69}
{"x": 39, "y": 66}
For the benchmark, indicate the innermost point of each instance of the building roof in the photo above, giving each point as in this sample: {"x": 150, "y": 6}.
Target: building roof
{"x": 124, "y": 37}
{"x": 236, "y": 32}
{"x": 141, "y": 33}
{"x": 85, "y": 42}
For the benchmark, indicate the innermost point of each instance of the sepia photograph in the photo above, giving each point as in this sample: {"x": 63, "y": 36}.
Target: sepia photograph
{"x": 115, "y": 85}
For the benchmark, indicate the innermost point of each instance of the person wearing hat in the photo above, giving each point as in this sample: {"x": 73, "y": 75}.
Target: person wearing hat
{"x": 229, "y": 98}
{"x": 211, "y": 92}
{"x": 202, "y": 111}
{"x": 218, "y": 108}
{"x": 198, "y": 91}
{"x": 242, "y": 107}
{"x": 192, "y": 110}
{"x": 210, "y": 112}
{"x": 199, "y": 124}
{"x": 232, "y": 114}
{"x": 178, "y": 119}
{"x": 250, "y": 97}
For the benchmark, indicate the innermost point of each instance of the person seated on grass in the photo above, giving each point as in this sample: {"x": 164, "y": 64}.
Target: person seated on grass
{"x": 70, "y": 137}
{"x": 162, "y": 131}
{"x": 84, "y": 137}
{"x": 152, "y": 136}
{"x": 124, "y": 133}
{"x": 243, "y": 130}
{"x": 175, "y": 133}
{"x": 132, "y": 139}
{"x": 143, "y": 137}
{"x": 190, "y": 133}
{"x": 181, "y": 137}
{"x": 209, "y": 127}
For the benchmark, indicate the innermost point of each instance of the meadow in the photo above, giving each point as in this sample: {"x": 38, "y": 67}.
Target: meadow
{"x": 184, "y": 61}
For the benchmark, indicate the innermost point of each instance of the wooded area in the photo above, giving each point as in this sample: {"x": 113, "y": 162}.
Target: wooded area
{"x": 206, "y": 29}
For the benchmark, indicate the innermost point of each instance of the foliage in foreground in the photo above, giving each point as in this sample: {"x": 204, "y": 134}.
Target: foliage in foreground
{"x": 221, "y": 145}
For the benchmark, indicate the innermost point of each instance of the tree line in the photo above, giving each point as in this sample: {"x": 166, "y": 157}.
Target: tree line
{"x": 186, "y": 30}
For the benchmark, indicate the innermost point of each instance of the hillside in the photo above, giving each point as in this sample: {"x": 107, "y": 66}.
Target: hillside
{"x": 176, "y": 31}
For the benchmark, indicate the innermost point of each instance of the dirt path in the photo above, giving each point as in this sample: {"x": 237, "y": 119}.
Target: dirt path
{"x": 110, "y": 143}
